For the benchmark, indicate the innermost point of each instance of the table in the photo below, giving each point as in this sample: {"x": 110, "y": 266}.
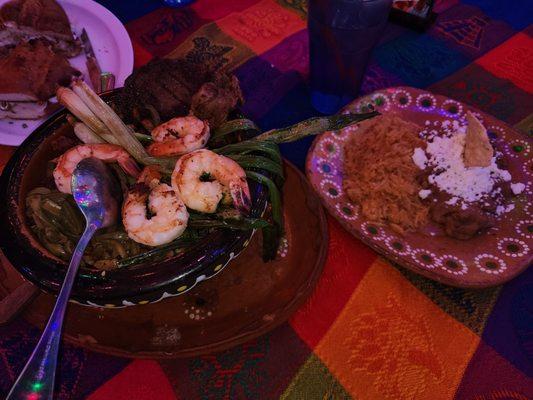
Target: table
{"x": 370, "y": 330}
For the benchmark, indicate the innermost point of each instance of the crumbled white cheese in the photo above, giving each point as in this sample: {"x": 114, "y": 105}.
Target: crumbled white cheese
{"x": 453, "y": 201}
{"x": 419, "y": 158}
{"x": 504, "y": 209}
{"x": 424, "y": 193}
{"x": 445, "y": 155}
{"x": 517, "y": 188}
{"x": 505, "y": 175}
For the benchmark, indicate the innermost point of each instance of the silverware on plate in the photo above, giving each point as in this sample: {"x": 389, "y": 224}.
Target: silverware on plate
{"x": 101, "y": 81}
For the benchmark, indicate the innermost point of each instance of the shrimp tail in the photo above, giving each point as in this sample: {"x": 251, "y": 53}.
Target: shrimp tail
{"x": 241, "y": 198}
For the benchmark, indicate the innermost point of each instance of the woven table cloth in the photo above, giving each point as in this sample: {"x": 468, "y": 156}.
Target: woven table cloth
{"x": 370, "y": 330}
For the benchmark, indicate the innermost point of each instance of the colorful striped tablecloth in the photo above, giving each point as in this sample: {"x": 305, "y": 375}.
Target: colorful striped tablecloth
{"x": 370, "y": 330}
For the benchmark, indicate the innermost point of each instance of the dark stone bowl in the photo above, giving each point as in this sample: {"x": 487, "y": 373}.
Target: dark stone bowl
{"x": 139, "y": 284}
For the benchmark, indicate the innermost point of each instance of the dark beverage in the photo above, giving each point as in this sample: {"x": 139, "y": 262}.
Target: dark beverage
{"x": 342, "y": 34}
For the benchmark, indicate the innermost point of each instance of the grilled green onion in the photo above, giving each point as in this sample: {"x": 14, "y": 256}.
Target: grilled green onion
{"x": 77, "y": 107}
{"x": 117, "y": 127}
{"x": 271, "y": 234}
{"x": 268, "y": 149}
{"x": 313, "y": 126}
{"x": 86, "y": 134}
{"x": 232, "y": 126}
{"x": 259, "y": 162}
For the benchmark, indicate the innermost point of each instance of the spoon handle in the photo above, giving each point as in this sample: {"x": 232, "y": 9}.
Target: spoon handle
{"x": 36, "y": 381}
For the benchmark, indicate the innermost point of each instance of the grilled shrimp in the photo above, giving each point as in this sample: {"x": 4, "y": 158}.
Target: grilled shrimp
{"x": 204, "y": 179}
{"x": 153, "y": 213}
{"x": 179, "y": 136}
{"x": 67, "y": 162}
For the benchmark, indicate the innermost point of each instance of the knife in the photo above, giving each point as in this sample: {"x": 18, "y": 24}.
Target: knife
{"x": 95, "y": 72}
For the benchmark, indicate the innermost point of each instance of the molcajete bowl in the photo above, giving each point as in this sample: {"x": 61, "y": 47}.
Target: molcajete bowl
{"x": 138, "y": 284}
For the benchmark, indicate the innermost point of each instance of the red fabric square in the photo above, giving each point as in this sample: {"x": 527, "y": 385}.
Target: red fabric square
{"x": 141, "y": 380}
{"x": 216, "y": 9}
{"x": 163, "y": 30}
{"x": 141, "y": 55}
{"x": 347, "y": 262}
{"x": 512, "y": 60}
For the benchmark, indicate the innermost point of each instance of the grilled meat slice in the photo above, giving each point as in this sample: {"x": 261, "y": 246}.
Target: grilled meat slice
{"x": 24, "y": 20}
{"x": 30, "y": 73}
{"x": 214, "y": 100}
{"x": 177, "y": 87}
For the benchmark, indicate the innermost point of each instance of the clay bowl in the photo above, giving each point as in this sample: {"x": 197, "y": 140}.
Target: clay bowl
{"x": 139, "y": 284}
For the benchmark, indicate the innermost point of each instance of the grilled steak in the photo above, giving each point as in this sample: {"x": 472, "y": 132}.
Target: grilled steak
{"x": 23, "y": 20}
{"x": 176, "y": 88}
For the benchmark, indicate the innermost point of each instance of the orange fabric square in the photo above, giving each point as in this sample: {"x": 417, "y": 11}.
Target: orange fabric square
{"x": 262, "y": 26}
{"x": 208, "y": 42}
{"x": 392, "y": 342}
{"x": 512, "y": 60}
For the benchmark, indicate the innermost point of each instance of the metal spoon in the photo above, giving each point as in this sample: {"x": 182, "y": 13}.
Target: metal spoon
{"x": 92, "y": 188}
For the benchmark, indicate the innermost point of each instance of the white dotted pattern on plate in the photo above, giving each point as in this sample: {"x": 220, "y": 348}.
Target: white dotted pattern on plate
{"x": 328, "y": 167}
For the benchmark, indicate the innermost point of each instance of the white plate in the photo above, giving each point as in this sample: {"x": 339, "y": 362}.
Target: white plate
{"x": 112, "y": 47}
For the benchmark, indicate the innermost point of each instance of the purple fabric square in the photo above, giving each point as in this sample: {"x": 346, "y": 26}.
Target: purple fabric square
{"x": 295, "y": 106}
{"x": 509, "y": 329}
{"x": 17, "y": 341}
{"x": 292, "y": 54}
{"x": 377, "y": 78}
{"x": 263, "y": 85}
{"x": 79, "y": 371}
{"x": 489, "y": 376}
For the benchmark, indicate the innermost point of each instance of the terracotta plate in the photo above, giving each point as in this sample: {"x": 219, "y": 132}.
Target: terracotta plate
{"x": 243, "y": 301}
{"x": 486, "y": 260}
